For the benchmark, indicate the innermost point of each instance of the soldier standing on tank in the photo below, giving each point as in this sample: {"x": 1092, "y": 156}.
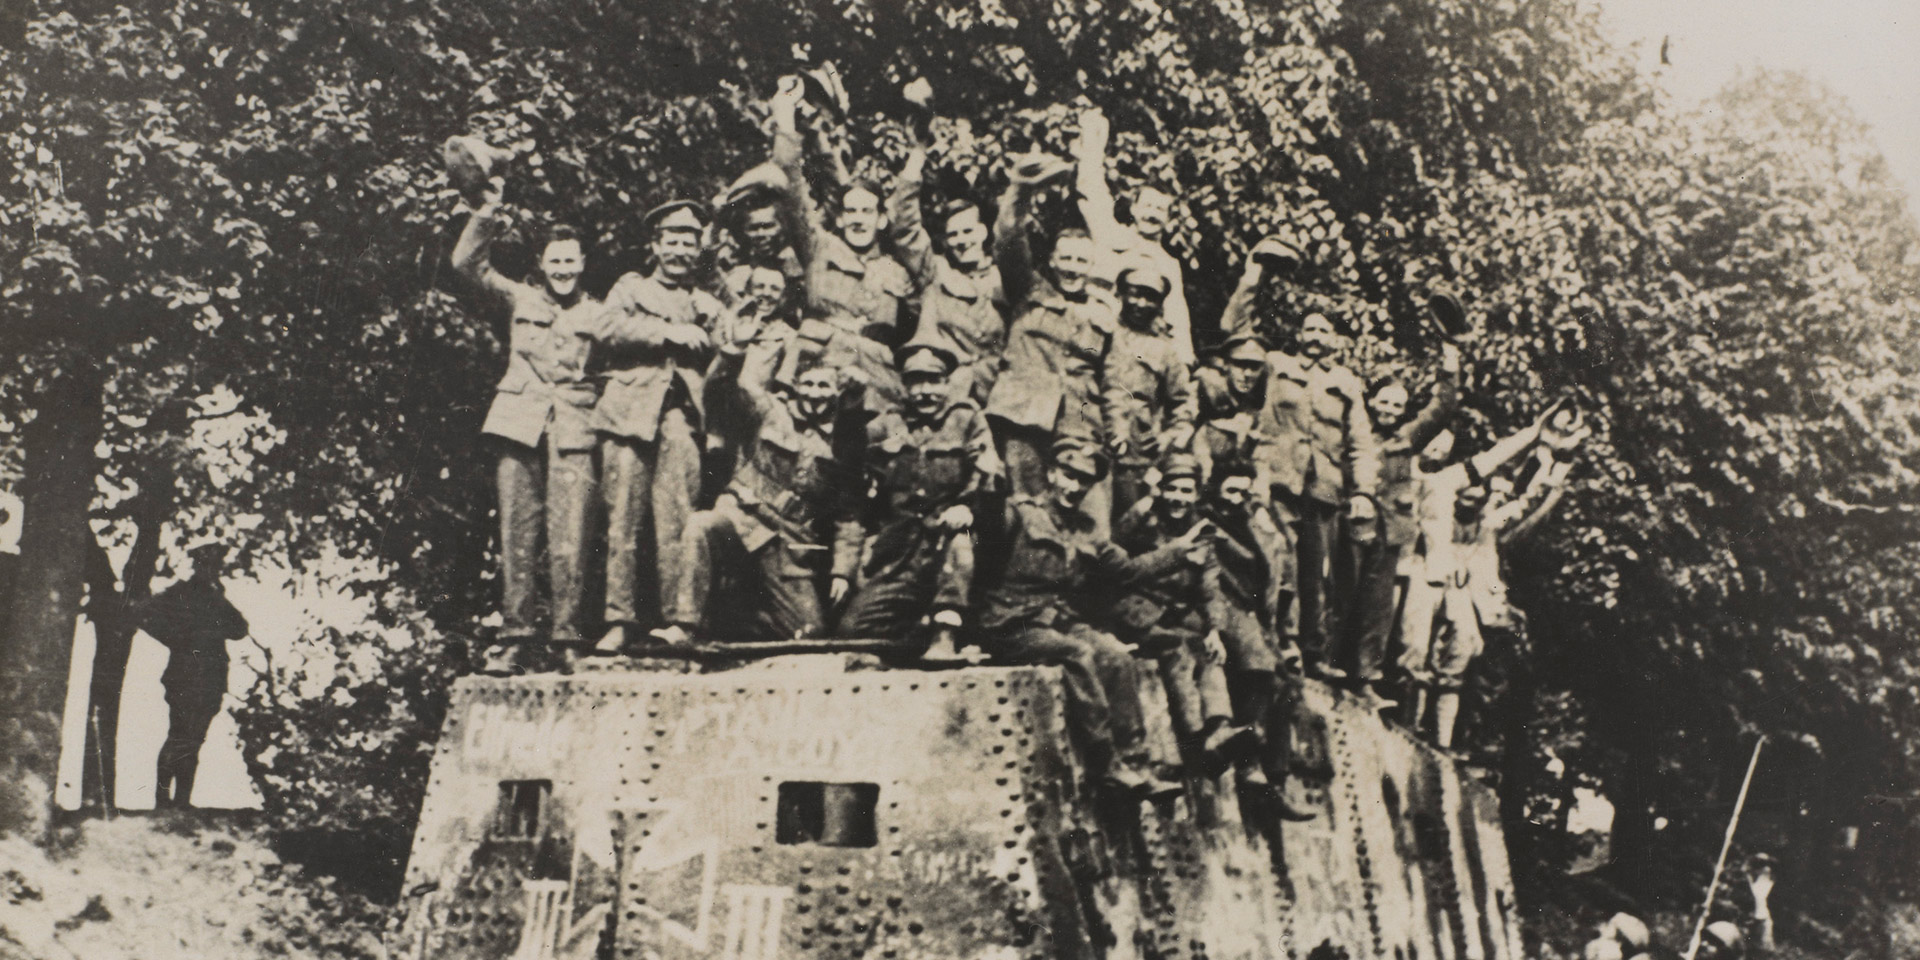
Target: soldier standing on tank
{"x": 1150, "y": 389}
{"x": 932, "y": 461}
{"x": 1041, "y": 606}
{"x": 540, "y": 412}
{"x": 790, "y": 510}
{"x": 194, "y": 620}
{"x": 654, "y": 344}
{"x": 1151, "y": 210}
{"x": 963, "y": 305}
{"x": 1263, "y": 672}
{"x": 1378, "y": 568}
{"x": 1316, "y": 454}
{"x": 1175, "y": 617}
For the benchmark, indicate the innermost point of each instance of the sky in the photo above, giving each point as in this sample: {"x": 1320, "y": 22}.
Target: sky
{"x": 1868, "y": 51}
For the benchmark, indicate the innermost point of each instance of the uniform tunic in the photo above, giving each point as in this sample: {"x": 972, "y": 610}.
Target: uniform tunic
{"x": 1169, "y": 617}
{"x": 194, "y": 620}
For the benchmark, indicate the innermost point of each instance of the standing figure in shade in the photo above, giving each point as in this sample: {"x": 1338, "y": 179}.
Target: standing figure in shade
{"x": 654, "y": 344}
{"x": 932, "y": 462}
{"x": 194, "y": 620}
{"x": 1377, "y": 564}
{"x": 1042, "y": 605}
{"x": 788, "y": 522}
{"x": 540, "y": 413}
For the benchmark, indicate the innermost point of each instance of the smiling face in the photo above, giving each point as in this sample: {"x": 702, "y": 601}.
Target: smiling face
{"x": 1069, "y": 486}
{"x": 761, "y": 231}
{"x": 1235, "y": 490}
{"x": 1139, "y": 305}
{"x": 1178, "y": 496}
{"x": 966, "y": 238}
{"x": 860, "y": 218}
{"x": 1151, "y": 211}
{"x": 1388, "y": 405}
{"x": 1072, "y": 263}
{"x": 766, "y": 288}
{"x": 676, "y": 251}
{"x": 927, "y": 394}
{"x": 815, "y": 391}
{"x": 561, "y": 263}
{"x": 1317, "y": 336}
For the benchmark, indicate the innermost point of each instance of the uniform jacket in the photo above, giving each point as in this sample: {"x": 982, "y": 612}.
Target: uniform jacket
{"x": 545, "y": 386}
{"x": 1399, "y": 493}
{"x": 870, "y": 288}
{"x": 1149, "y": 391}
{"x": 1054, "y": 371}
{"x": 962, "y": 313}
{"x": 922, "y": 469}
{"x": 1227, "y": 428}
{"x": 1057, "y": 567}
{"x": 1316, "y": 441}
{"x": 1175, "y": 594}
{"x": 194, "y": 620}
{"x": 645, "y": 375}
{"x": 794, "y": 480}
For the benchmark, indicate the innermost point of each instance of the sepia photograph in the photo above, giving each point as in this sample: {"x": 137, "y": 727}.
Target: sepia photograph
{"x": 959, "y": 480}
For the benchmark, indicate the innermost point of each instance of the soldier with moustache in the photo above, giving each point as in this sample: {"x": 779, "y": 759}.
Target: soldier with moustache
{"x": 654, "y": 343}
{"x": 540, "y": 417}
{"x": 932, "y": 463}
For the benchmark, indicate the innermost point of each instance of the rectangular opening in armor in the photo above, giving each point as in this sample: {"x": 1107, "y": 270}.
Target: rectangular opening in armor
{"x": 523, "y": 808}
{"x": 828, "y": 814}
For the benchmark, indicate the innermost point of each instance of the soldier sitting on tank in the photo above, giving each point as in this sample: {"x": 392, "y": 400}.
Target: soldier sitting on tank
{"x": 1040, "y": 607}
{"x": 1175, "y": 617}
{"x": 787, "y": 522}
{"x": 1263, "y": 674}
{"x": 931, "y": 461}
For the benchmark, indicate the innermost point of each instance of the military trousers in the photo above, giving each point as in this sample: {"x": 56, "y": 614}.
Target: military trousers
{"x": 1318, "y": 587}
{"x": 1367, "y": 623}
{"x": 1103, "y": 696}
{"x": 1028, "y": 454}
{"x": 650, "y": 487}
{"x": 915, "y": 571}
{"x": 544, "y": 491}
{"x": 778, "y": 595}
{"x": 1196, "y": 682}
{"x": 191, "y": 707}
{"x": 1417, "y": 621}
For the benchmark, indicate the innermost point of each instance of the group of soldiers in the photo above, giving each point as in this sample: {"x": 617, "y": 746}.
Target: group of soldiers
{"x": 832, "y": 409}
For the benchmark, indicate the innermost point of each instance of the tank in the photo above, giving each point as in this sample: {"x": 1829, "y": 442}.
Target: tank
{"x": 821, "y": 807}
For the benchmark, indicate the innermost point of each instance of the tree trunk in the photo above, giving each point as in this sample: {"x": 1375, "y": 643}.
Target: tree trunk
{"x": 56, "y": 493}
{"x": 113, "y": 627}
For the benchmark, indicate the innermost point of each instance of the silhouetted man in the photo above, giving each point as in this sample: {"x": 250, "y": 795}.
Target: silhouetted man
{"x": 195, "y": 621}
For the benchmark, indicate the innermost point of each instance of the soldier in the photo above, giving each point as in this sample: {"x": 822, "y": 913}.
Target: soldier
{"x": 758, "y": 213}
{"x": 1053, "y": 377}
{"x": 1176, "y": 617}
{"x": 1377, "y": 565}
{"x": 654, "y": 346}
{"x": 963, "y": 306}
{"x": 1263, "y": 674}
{"x": 1149, "y": 387}
{"x": 1151, "y": 209}
{"x": 797, "y": 484}
{"x": 1039, "y": 610}
{"x": 194, "y": 620}
{"x": 932, "y": 461}
{"x": 1230, "y": 393}
{"x": 540, "y": 413}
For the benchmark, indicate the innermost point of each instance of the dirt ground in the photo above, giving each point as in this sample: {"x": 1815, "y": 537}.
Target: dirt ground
{"x": 171, "y": 886}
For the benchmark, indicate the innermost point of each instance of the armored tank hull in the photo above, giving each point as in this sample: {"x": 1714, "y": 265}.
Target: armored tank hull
{"x": 801, "y": 810}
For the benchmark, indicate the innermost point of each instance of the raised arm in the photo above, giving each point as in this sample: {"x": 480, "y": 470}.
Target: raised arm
{"x": 1238, "y": 316}
{"x": 472, "y": 253}
{"x": 907, "y": 225}
{"x": 1489, "y": 461}
{"x": 1012, "y": 251}
{"x": 1090, "y": 182}
{"x": 1433, "y": 417}
{"x": 799, "y": 209}
{"x": 1548, "y": 488}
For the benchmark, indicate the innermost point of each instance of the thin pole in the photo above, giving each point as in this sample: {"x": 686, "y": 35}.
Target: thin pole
{"x": 100, "y": 764}
{"x": 1713, "y": 886}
